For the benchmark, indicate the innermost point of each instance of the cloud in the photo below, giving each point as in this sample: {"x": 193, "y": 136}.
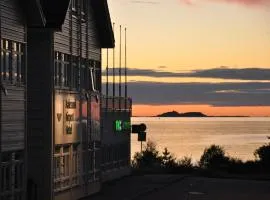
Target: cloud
{"x": 241, "y": 2}
{"x": 262, "y": 74}
{"x": 215, "y": 94}
{"x": 145, "y": 2}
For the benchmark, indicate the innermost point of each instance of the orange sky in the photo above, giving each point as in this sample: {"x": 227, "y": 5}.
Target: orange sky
{"x": 202, "y": 35}
{"x": 152, "y": 110}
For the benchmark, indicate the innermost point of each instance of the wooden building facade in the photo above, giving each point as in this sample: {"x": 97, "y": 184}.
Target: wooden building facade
{"x": 12, "y": 100}
{"x": 51, "y": 115}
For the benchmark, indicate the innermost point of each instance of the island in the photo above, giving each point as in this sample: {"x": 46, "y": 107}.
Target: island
{"x": 187, "y": 114}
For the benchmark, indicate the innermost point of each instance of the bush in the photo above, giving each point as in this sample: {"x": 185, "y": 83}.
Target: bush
{"x": 167, "y": 159}
{"x": 262, "y": 154}
{"x": 213, "y": 158}
{"x": 185, "y": 162}
{"x": 148, "y": 158}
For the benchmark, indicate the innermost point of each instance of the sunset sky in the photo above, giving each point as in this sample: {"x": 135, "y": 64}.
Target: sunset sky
{"x": 211, "y": 56}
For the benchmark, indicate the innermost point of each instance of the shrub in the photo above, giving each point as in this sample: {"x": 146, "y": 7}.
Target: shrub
{"x": 148, "y": 158}
{"x": 262, "y": 154}
{"x": 185, "y": 162}
{"x": 213, "y": 158}
{"x": 167, "y": 159}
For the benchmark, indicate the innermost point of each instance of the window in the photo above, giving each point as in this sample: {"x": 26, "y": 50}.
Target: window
{"x": 83, "y": 76}
{"x": 66, "y": 166}
{"x": 12, "y": 62}
{"x": 95, "y": 75}
{"x": 76, "y": 71}
{"x": 83, "y": 9}
{"x": 74, "y": 4}
{"x": 62, "y": 62}
{"x": 78, "y": 9}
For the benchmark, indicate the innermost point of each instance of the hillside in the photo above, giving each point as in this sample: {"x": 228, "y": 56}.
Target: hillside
{"x": 187, "y": 114}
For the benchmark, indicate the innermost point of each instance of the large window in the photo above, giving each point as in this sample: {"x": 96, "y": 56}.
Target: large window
{"x": 62, "y": 62}
{"x": 66, "y": 166}
{"x": 12, "y": 64}
{"x": 74, "y": 73}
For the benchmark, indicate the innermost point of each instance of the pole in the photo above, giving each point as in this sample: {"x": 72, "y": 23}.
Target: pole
{"x": 107, "y": 79}
{"x": 113, "y": 70}
{"x": 125, "y": 68}
{"x": 141, "y": 146}
{"x": 120, "y": 63}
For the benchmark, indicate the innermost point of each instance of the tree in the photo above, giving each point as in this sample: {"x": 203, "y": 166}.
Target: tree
{"x": 167, "y": 159}
{"x": 263, "y": 155}
{"x": 148, "y": 158}
{"x": 213, "y": 157}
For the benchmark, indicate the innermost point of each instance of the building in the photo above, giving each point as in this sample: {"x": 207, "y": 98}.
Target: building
{"x": 12, "y": 100}
{"x": 56, "y": 131}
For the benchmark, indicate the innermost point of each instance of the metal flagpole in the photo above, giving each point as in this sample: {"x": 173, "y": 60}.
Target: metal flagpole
{"x": 125, "y": 68}
{"x": 120, "y": 63}
{"x": 107, "y": 79}
{"x": 113, "y": 71}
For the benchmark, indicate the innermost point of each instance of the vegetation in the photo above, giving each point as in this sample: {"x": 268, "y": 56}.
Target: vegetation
{"x": 263, "y": 155}
{"x": 213, "y": 160}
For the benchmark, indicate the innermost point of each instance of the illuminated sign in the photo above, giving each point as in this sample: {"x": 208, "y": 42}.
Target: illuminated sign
{"x": 69, "y": 129}
{"x": 71, "y": 104}
{"x": 70, "y": 117}
{"x": 120, "y": 125}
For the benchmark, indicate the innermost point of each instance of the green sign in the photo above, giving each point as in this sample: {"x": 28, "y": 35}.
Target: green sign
{"x": 120, "y": 125}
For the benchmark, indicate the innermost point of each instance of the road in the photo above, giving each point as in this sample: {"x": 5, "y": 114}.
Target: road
{"x": 197, "y": 188}
{"x": 167, "y": 187}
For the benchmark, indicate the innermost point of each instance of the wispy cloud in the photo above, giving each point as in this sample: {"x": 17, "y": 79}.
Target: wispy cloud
{"x": 262, "y": 74}
{"x": 215, "y": 94}
{"x": 241, "y": 2}
{"x": 145, "y": 2}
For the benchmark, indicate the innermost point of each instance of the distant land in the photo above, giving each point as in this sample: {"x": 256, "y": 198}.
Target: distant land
{"x": 187, "y": 114}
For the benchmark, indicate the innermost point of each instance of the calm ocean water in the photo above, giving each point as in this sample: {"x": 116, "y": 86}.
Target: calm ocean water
{"x": 239, "y": 136}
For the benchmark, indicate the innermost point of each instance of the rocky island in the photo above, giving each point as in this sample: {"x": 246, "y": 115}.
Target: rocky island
{"x": 187, "y": 114}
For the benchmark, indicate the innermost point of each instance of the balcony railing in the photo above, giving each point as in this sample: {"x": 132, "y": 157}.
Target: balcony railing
{"x": 116, "y": 103}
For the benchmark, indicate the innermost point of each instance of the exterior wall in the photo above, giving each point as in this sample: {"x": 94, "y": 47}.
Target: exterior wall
{"x": 77, "y": 79}
{"x": 12, "y": 100}
{"x": 12, "y": 20}
{"x": 79, "y": 36}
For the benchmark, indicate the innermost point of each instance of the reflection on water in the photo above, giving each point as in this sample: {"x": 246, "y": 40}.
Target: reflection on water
{"x": 189, "y": 136}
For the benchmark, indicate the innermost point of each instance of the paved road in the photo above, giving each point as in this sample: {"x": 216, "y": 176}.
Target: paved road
{"x": 167, "y": 187}
{"x": 197, "y": 188}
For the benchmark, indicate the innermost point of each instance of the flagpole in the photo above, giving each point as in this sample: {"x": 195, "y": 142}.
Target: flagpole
{"x": 113, "y": 70}
{"x": 125, "y": 68}
{"x": 120, "y": 68}
{"x": 107, "y": 79}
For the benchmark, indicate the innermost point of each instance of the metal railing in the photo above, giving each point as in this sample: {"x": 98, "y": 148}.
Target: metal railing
{"x": 11, "y": 177}
{"x": 116, "y": 103}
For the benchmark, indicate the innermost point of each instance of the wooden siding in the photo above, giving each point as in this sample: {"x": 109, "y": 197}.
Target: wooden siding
{"x": 70, "y": 40}
{"x": 12, "y": 105}
{"x": 12, "y": 22}
{"x": 12, "y": 119}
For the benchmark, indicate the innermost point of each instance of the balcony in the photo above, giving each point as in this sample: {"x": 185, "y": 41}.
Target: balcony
{"x": 121, "y": 104}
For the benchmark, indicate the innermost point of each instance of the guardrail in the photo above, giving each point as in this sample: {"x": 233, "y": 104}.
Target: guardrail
{"x": 116, "y": 103}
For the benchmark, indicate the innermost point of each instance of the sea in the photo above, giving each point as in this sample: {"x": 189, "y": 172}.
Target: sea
{"x": 239, "y": 136}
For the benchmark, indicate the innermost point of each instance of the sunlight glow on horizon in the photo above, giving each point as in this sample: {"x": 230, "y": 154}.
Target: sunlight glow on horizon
{"x": 153, "y": 110}
{"x": 201, "y": 36}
